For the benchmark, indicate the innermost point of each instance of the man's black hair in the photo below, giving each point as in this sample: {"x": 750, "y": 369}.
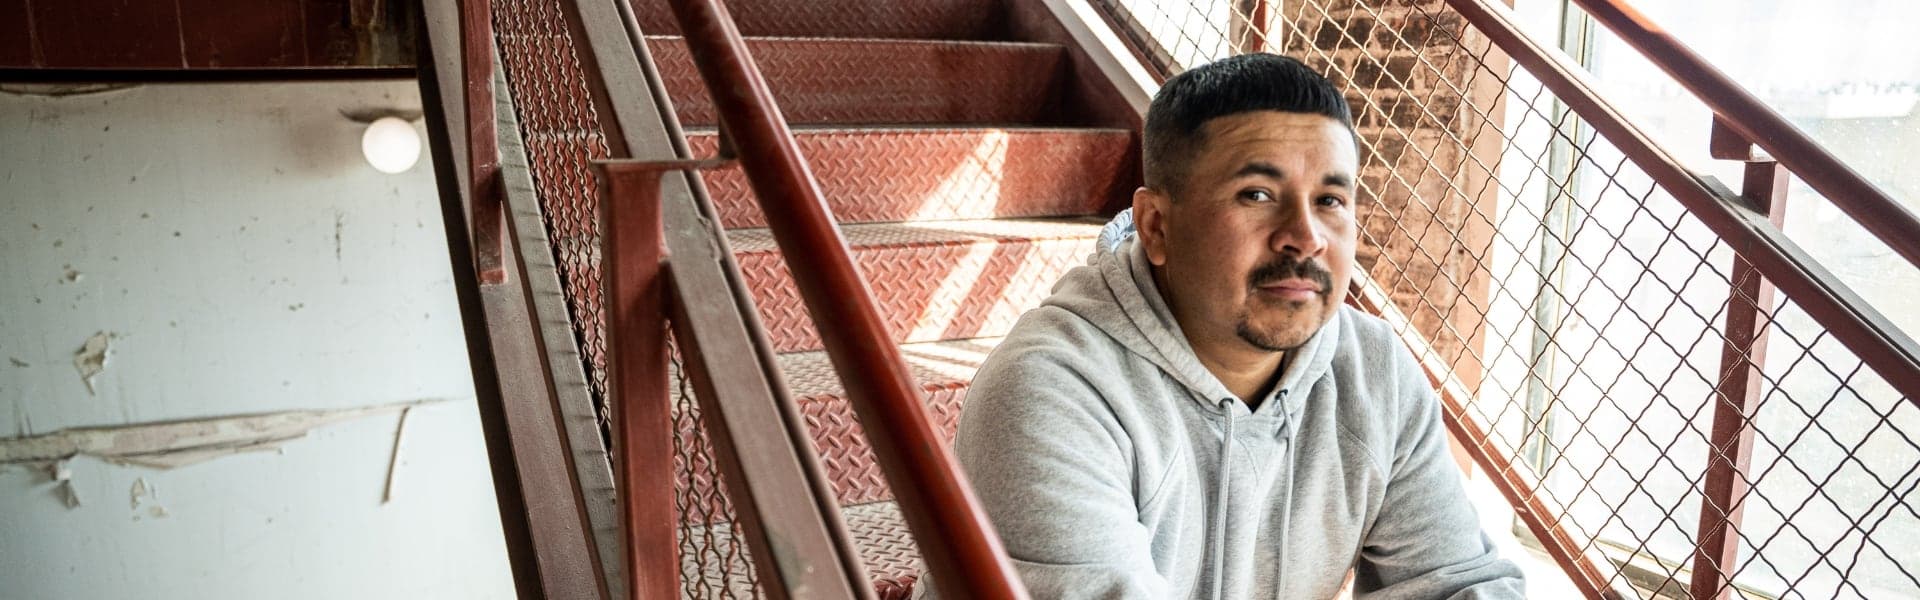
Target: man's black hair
{"x": 1228, "y": 86}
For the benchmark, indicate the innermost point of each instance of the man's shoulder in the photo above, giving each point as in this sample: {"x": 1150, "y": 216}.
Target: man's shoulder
{"x": 1048, "y": 343}
{"x": 1381, "y": 388}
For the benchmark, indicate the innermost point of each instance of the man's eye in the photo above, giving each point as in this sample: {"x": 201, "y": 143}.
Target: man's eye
{"x": 1331, "y": 200}
{"x": 1256, "y": 196}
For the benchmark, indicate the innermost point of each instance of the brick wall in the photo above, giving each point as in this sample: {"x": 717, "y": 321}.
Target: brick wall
{"x": 1425, "y": 99}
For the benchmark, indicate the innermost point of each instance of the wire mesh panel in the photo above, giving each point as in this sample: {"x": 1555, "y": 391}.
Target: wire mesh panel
{"x": 1585, "y": 310}
{"x": 560, "y": 127}
{"x": 713, "y": 562}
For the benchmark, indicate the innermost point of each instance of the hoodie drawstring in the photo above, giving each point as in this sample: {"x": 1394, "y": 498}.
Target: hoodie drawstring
{"x": 1220, "y": 504}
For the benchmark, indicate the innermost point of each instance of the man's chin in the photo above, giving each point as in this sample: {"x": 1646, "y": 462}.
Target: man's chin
{"x": 1283, "y": 332}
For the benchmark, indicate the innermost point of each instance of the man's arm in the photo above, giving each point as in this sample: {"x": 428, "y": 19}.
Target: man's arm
{"x": 1426, "y": 541}
{"x": 1049, "y": 465}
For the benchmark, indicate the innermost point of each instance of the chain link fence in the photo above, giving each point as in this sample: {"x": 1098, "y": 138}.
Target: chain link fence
{"x": 1585, "y": 309}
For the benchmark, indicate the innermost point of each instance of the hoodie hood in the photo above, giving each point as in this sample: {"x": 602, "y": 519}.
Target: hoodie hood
{"x": 1116, "y": 292}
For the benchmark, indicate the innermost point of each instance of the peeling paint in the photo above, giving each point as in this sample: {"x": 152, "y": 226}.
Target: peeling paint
{"x": 63, "y": 477}
{"x": 172, "y": 444}
{"x": 393, "y": 462}
{"x": 140, "y": 491}
{"x": 92, "y": 358}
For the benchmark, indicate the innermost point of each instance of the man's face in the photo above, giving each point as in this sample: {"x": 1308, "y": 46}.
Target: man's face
{"x": 1257, "y": 247}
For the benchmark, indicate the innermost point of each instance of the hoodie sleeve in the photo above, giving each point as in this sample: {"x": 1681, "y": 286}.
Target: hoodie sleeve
{"x": 1426, "y": 541}
{"x": 1052, "y": 469}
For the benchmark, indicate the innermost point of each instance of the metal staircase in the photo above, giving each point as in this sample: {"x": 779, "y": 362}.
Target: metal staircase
{"x": 969, "y": 151}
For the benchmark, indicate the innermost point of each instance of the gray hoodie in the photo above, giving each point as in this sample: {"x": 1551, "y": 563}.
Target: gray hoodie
{"x": 1094, "y": 438}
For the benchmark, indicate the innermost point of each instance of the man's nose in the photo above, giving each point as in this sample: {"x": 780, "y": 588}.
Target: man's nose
{"x": 1297, "y": 231}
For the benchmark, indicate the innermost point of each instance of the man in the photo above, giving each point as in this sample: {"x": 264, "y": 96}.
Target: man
{"x": 1196, "y": 413}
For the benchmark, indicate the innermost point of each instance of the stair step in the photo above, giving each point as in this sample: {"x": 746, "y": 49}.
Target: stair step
{"x": 878, "y": 530}
{"x": 942, "y": 369}
{"x": 933, "y": 280}
{"x": 921, "y": 19}
{"x": 898, "y": 174}
{"x": 845, "y": 81}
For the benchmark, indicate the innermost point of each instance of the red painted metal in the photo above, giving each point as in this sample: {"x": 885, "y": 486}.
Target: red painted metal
{"x": 1876, "y": 211}
{"x": 959, "y": 543}
{"x": 1737, "y": 396}
{"x": 200, "y": 35}
{"x": 844, "y": 82}
{"x": 1003, "y": 267}
{"x": 637, "y": 371}
{"x": 919, "y": 19}
{"x": 942, "y": 369}
{"x": 1849, "y": 318}
{"x": 941, "y": 174}
{"x": 483, "y": 153}
{"x": 886, "y": 549}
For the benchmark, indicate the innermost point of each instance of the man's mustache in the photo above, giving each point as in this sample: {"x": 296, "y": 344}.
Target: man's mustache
{"x": 1288, "y": 267}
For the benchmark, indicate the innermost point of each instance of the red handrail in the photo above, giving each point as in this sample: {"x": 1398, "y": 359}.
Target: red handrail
{"x": 1878, "y": 342}
{"x": 956, "y": 540}
{"x": 1877, "y": 212}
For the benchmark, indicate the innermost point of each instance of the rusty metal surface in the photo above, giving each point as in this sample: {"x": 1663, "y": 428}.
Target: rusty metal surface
{"x": 886, "y": 547}
{"x": 920, "y": 19}
{"x": 483, "y": 152}
{"x": 936, "y": 174}
{"x": 259, "y": 36}
{"x": 635, "y": 289}
{"x": 932, "y": 280}
{"x": 847, "y": 82}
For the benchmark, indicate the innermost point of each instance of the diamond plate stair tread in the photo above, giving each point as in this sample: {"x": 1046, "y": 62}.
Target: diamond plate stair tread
{"x": 879, "y": 532}
{"x": 934, "y": 280}
{"x": 922, "y": 19}
{"x": 942, "y": 369}
{"x": 874, "y": 81}
{"x": 872, "y": 175}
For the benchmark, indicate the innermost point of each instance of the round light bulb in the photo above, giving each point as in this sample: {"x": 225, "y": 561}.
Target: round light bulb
{"x": 391, "y": 145}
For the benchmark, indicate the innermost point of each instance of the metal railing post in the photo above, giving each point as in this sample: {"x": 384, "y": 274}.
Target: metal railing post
{"x": 1738, "y": 390}
{"x": 633, "y": 256}
{"x": 483, "y": 153}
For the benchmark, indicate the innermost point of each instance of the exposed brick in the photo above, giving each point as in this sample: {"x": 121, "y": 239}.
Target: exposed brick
{"x": 1404, "y": 65}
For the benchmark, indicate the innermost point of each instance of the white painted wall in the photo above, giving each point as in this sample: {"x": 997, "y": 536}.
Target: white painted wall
{"x": 245, "y": 259}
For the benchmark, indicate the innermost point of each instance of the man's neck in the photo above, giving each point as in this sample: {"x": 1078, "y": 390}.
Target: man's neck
{"x": 1250, "y": 373}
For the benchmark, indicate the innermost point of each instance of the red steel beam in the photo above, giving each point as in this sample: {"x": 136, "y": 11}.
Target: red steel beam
{"x": 637, "y": 374}
{"x": 1737, "y": 395}
{"x": 483, "y": 153}
{"x": 957, "y": 542}
{"x": 1868, "y": 334}
{"x": 1876, "y": 211}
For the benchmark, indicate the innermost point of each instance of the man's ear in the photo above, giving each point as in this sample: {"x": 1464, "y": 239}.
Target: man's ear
{"x": 1150, "y": 222}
